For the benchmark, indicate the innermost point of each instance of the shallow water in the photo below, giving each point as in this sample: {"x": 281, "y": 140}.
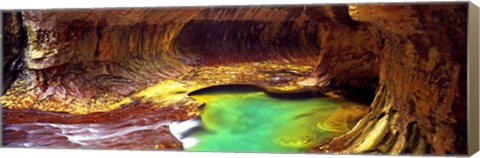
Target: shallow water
{"x": 240, "y": 121}
{"x": 131, "y": 127}
{"x": 251, "y": 121}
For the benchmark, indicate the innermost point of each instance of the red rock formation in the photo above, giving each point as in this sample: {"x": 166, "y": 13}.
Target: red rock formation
{"x": 349, "y": 52}
{"x": 421, "y": 99}
{"x": 14, "y": 42}
{"x": 85, "y": 54}
{"x": 416, "y": 53}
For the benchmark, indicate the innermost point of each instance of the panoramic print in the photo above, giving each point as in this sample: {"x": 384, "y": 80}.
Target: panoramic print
{"x": 341, "y": 79}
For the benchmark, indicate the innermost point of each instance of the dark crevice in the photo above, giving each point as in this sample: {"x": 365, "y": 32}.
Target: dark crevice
{"x": 361, "y": 90}
{"x": 100, "y": 25}
{"x": 13, "y": 66}
{"x": 288, "y": 95}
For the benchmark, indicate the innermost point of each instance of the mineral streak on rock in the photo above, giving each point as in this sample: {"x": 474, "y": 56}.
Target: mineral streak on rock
{"x": 421, "y": 65}
{"x": 14, "y": 42}
{"x": 86, "y": 61}
{"x": 82, "y": 61}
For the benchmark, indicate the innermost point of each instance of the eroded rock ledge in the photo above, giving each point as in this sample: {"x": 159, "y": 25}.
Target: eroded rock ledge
{"x": 420, "y": 103}
{"x": 414, "y": 54}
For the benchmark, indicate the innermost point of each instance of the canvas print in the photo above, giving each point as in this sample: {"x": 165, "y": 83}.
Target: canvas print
{"x": 375, "y": 78}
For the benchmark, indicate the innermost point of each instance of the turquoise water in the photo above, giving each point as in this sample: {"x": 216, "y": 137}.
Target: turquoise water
{"x": 251, "y": 121}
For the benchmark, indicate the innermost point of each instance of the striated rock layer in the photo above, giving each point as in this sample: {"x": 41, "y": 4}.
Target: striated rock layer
{"x": 14, "y": 41}
{"x": 86, "y": 57}
{"x": 415, "y": 54}
{"x": 420, "y": 103}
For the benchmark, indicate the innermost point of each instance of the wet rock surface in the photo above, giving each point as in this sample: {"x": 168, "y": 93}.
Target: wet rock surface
{"x": 134, "y": 126}
{"x": 14, "y": 41}
{"x": 414, "y": 55}
{"x": 421, "y": 95}
{"x": 85, "y": 57}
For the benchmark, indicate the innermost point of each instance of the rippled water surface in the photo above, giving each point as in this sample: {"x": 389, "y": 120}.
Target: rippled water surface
{"x": 131, "y": 127}
{"x": 231, "y": 121}
{"x": 251, "y": 121}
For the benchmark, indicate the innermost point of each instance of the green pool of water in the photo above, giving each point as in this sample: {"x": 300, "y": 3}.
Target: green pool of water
{"x": 251, "y": 121}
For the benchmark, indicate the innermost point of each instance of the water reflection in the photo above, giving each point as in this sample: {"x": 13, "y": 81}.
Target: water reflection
{"x": 251, "y": 121}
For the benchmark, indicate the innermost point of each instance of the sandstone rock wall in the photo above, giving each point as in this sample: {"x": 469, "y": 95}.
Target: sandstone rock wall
{"x": 420, "y": 104}
{"x": 85, "y": 57}
{"x": 15, "y": 41}
{"x": 415, "y": 53}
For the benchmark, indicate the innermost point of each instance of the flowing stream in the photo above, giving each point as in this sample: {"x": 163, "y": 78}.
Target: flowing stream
{"x": 232, "y": 120}
{"x": 252, "y": 121}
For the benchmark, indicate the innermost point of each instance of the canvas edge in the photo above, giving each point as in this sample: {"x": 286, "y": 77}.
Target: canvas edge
{"x": 473, "y": 79}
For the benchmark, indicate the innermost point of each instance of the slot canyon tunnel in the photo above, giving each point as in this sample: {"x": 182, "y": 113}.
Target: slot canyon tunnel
{"x": 405, "y": 62}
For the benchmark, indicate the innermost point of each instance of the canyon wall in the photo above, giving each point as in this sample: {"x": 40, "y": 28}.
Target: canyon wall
{"x": 94, "y": 57}
{"x": 14, "y": 42}
{"x": 414, "y": 54}
{"x": 420, "y": 104}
